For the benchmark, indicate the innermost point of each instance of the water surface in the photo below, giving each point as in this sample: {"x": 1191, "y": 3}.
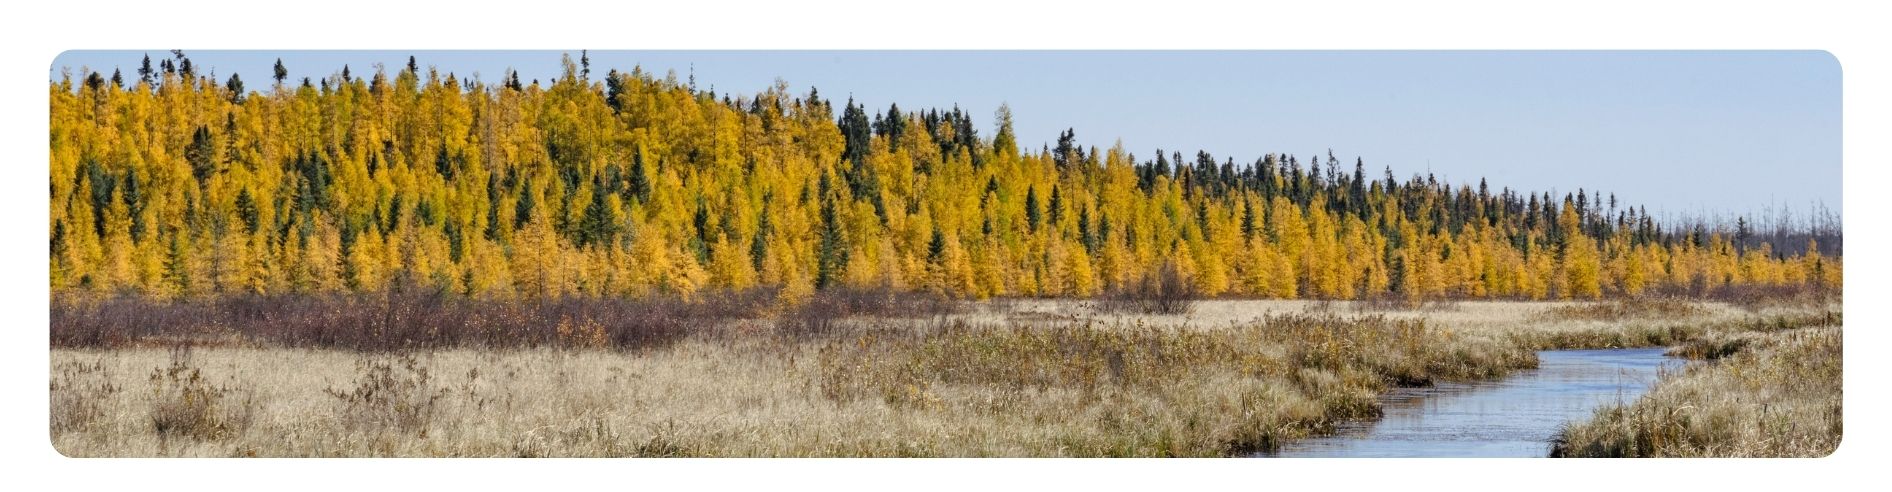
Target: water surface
{"x": 1511, "y": 417}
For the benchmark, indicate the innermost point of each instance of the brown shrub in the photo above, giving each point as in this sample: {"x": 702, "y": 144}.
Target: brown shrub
{"x": 186, "y": 404}
{"x": 79, "y": 391}
{"x": 1166, "y": 290}
{"x": 395, "y": 320}
{"x": 828, "y": 310}
{"x": 390, "y": 394}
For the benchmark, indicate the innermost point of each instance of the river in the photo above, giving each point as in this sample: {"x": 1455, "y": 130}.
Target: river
{"x": 1515, "y": 416}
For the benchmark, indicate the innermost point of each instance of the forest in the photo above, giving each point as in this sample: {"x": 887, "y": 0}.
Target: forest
{"x": 167, "y": 183}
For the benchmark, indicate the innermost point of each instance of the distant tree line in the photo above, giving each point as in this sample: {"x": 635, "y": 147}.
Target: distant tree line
{"x": 172, "y": 184}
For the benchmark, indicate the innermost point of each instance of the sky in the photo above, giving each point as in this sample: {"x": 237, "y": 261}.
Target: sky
{"x": 1684, "y": 133}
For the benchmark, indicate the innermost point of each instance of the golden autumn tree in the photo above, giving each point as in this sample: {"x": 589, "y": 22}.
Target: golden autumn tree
{"x": 637, "y": 184}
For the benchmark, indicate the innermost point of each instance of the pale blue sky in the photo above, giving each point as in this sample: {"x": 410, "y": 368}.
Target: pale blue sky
{"x": 1681, "y": 132}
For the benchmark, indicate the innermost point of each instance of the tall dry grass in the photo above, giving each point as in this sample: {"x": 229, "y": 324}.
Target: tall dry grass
{"x": 885, "y": 389}
{"x": 855, "y": 374}
{"x": 1773, "y": 395}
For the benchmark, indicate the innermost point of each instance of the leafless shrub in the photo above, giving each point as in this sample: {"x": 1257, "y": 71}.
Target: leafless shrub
{"x": 79, "y": 391}
{"x": 398, "y": 319}
{"x": 828, "y": 310}
{"x": 1710, "y": 347}
{"x": 1166, "y": 290}
{"x": 394, "y": 394}
{"x": 185, "y": 404}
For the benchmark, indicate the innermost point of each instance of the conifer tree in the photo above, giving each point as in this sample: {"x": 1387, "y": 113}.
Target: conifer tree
{"x": 144, "y": 70}
{"x": 235, "y": 87}
{"x": 1032, "y": 215}
{"x": 832, "y": 252}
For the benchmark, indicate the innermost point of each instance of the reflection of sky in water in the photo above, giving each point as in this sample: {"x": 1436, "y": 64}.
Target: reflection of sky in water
{"x": 1513, "y": 417}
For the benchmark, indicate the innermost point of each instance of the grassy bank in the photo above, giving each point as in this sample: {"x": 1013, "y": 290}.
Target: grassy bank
{"x": 1026, "y": 378}
{"x": 1772, "y": 394}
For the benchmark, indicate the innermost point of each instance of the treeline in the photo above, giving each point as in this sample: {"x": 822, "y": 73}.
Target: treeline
{"x": 172, "y": 184}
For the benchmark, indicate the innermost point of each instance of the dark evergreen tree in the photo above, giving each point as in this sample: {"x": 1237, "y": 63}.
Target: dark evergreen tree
{"x": 246, "y": 211}
{"x": 134, "y": 204}
{"x": 863, "y": 183}
{"x": 202, "y": 155}
{"x": 1066, "y": 151}
{"x": 701, "y": 223}
{"x": 184, "y": 67}
{"x": 1248, "y": 221}
{"x": 759, "y": 245}
{"x": 1356, "y": 192}
{"x": 639, "y": 186}
{"x": 1057, "y": 206}
{"x": 1085, "y": 235}
{"x": 936, "y": 249}
{"x": 1032, "y": 214}
{"x": 831, "y": 251}
{"x": 444, "y": 164}
{"x": 613, "y": 86}
{"x": 144, "y": 70}
{"x": 1742, "y": 233}
{"x": 235, "y": 86}
{"x": 522, "y": 211}
{"x": 493, "y": 202}
{"x": 892, "y": 125}
{"x": 596, "y": 227}
{"x": 855, "y": 132}
{"x": 281, "y": 72}
{"x": 1162, "y": 164}
{"x": 103, "y": 184}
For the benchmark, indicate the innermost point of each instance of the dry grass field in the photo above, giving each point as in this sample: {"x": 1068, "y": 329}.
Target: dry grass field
{"x": 1769, "y": 394}
{"x": 999, "y": 378}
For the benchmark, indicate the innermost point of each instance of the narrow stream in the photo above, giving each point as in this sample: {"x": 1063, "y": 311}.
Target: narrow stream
{"x": 1512, "y": 417}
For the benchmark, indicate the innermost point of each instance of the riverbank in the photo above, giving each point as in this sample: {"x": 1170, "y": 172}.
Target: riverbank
{"x": 1775, "y": 394}
{"x": 1024, "y": 378}
{"x": 1515, "y": 416}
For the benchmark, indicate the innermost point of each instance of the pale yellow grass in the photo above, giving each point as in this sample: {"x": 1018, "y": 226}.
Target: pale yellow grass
{"x": 1780, "y": 396}
{"x": 769, "y": 396}
{"x": 1532, "y": 323}
{"x": 697, "y": 399}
